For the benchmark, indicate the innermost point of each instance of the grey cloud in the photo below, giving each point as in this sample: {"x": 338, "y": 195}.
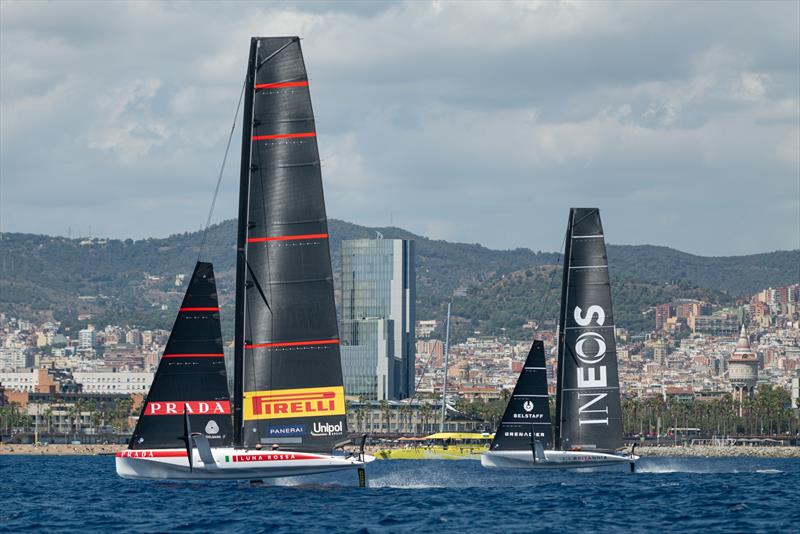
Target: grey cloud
{"x": 479, "y": 122}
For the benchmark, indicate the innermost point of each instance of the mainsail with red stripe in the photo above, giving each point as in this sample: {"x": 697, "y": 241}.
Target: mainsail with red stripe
{"x": 191, "y": 375}
{"x": 288, "y": 387}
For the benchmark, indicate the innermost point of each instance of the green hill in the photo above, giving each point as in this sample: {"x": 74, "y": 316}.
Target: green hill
{"x": 128, "y": 282}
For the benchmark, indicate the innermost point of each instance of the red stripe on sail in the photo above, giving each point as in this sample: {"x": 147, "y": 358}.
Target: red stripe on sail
{"x": 293, "y": 344}
{"x": 199, "y": 309}
{"x": 194, "y": 355}
{"x": 287, "y": 238}
{"x": 283, "y": 136}
{"x": 281, "y": 84}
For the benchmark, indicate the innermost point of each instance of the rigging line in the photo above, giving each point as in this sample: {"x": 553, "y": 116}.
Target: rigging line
{"x": 221, "y": 171}
{"x": 546, "y": 300}
{"x": 421, "y": 376}
{"x": 557, "y": 435}
{"x": 419, "y": 380}
{"x": 276, "y": 52}
{"x": 258, "y": 286}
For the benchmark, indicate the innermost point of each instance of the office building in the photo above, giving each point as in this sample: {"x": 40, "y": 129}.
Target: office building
{"x": 377, "y": 334}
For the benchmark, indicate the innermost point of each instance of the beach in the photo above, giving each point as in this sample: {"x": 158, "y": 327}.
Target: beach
{"x": 697, "y": 451}
{"x": 61, "y": 450}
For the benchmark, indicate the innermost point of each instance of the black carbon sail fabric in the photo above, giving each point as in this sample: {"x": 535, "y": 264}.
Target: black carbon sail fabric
{"x": 528, "y": 409}
{"x": 190, "y": 376}
{"x": 291, "y": 377}
{"x": 588, "y": 414}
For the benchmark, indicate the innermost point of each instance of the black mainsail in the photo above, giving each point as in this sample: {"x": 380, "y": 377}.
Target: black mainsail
{"x": 191, "y": 375}
{"x": 587, "y": 402}
{"x": 288, "y": 387}
{"x": 527, "y": 417}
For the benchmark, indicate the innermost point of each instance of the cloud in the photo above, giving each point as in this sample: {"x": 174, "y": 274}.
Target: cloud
{"x": 478, "y": 122}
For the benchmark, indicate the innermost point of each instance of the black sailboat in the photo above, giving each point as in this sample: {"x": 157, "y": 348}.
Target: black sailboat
{"x": 588, "y": 426}
{"x": 190, "y": 380}
{"x": 287, "y": 411}
{"x": 587, "y": 403}
{"x": 526, "y": 422}
{"x": 287, "y": 341}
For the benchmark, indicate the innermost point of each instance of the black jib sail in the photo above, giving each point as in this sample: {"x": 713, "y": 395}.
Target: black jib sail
{"x": 191, "y": 375}
{"x": 528, "y": 408}
{"x": 587, "y": 402}
{"x": 288, "y": 379}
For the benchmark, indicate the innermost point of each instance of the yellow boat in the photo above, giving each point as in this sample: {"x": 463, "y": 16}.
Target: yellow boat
{"x": 439, "y": 446}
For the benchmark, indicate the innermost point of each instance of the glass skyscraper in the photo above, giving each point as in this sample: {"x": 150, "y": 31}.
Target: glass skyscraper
{"x": 377, "y": 334}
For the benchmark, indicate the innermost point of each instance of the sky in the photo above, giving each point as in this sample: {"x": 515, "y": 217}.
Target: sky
{"x": 472, "y": 122}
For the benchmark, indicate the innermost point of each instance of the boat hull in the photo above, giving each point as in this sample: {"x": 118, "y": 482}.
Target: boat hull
{"x": 554, "y": 460}
{"x": 231, "y": 464}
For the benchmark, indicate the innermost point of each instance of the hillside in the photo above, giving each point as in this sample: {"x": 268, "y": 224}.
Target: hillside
{"x": 504, "y": 305}
{"x": 107, "y": 278}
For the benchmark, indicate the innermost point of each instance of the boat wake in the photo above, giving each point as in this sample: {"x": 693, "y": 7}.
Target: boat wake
{"x": 414, "y": 479}
{"x": 704, "y": 466}
{"x": 676, "y": 465}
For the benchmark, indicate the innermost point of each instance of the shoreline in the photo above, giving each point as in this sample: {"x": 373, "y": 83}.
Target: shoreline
{"x": 697, "y": 451}
{"x": 60, "y": 450}
{"x": 708, "y": 451}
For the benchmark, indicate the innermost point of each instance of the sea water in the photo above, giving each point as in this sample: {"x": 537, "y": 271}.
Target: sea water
{"x": 72, "y": 493}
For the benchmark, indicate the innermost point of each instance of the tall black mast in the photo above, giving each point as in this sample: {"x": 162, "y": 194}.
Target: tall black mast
{"x": 561, "y": 323}
{"x": 241, "y": 244}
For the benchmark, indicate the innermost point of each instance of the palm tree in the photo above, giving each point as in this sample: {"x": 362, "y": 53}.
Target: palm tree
{"x": 72, "y": 417}
{"x": 94, "y": 416}
{"x": 122, "y": 410}
{"x": 425, "y": 412}
{"x": 384, "y": 406}
{"x": 48, "y": 417}
{"x": 404, "y": 418}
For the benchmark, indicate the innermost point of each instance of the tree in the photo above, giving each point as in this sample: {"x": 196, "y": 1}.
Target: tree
{"x": 384, "y": 406}
{"x": 425, "y": 412}
{"x": 122, "y": 410}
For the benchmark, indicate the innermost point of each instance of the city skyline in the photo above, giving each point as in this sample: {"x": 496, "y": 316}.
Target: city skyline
{"x": 420, "y": 126}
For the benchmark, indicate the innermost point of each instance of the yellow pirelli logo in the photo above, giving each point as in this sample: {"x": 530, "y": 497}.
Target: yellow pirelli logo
{"x": 286, "y": 403}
